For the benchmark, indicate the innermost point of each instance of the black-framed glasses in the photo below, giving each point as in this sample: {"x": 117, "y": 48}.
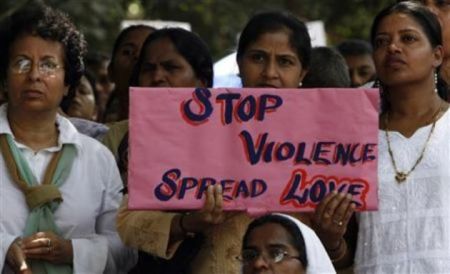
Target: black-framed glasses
{"x": 274, "y": 255}
{"x": 23, "y": 65}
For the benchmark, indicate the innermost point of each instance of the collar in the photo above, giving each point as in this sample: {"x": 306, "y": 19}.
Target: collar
{"x": 67, "y": 132}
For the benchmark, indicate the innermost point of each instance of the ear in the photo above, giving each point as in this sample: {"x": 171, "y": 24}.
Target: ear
{"x": 66, "y": 90}
{"x": 438, "y": 54}
{"x": 303, "y": 74}
{"x": 200, "y": 83}
{"x": 95, "y": 114}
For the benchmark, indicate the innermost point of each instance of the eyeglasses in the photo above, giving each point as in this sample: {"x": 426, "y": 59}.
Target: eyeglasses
{"x": 274, "y": 255}
{"x": 46, "y": 67}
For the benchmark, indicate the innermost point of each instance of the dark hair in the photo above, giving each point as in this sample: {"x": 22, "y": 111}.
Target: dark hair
{"x": 95, "y": 59}
{"x": 352, "y": 47}
{"x": 328, "y": 69}
{"x": 430, "y": 26}
{"x": 189, "y": 45}
{"x": 297, "y": 242}
{"x": 49, "y": 24}
{"x": 122, "y": 35}
{"x": 275, "y": 21}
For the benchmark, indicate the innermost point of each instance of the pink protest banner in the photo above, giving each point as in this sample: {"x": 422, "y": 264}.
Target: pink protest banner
{"x": 272, "y": 150}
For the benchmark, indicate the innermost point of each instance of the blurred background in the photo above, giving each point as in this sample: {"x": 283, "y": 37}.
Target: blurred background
{"x": 218, "y": 22}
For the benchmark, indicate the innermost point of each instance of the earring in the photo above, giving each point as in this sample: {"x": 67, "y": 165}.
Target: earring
{"x": 377, "y": 84}
{"x": 300, "y": 84}
{"x": 435, "y": 82}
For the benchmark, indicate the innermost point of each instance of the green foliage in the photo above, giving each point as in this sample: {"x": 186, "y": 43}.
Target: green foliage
{"x": 218, "y": 22}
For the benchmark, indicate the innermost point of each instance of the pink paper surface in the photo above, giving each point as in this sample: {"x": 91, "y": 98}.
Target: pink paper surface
{"x": 320, "y": 139}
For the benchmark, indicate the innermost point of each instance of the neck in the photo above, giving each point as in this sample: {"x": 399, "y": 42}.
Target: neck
{"x": 412, "y": 100}
{"x": 37, "y": 131}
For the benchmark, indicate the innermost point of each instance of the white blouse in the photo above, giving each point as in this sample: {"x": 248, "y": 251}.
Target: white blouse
{"x": 91, "y": 197}
{"x": 410, "y": 233}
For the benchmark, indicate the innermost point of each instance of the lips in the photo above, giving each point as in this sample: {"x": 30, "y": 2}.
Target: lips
{"x": 32, "y": 94}
{"x": 76, "y": 104}
{"x": 394, "y": 61}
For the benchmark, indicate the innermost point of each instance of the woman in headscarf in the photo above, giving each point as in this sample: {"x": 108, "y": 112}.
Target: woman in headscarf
{"x": 282, "y": 244}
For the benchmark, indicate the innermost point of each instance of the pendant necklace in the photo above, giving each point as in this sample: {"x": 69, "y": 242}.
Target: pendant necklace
{"x": 401, "y": 176}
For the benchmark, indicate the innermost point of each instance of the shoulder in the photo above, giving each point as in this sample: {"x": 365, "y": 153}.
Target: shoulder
{"x": 115, "y": 135}
{"x": 92, "y": 148}
{"x": 89, "y": 128}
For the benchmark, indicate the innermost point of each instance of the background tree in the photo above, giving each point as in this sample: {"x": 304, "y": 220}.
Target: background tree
{"x": 218, "y": 22}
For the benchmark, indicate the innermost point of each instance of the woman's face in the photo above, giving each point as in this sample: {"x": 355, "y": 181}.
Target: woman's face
{"x": 35, "y": 76}
{"x": 361, "y": 69}
{"x": 271, "y": 61}
{"x": 83, "y": 104}
{"x": 402, "y": 51}
{"x": 126, "y": 56}
{"x": 164, "y": 66}
{"x": 271, "y": 238}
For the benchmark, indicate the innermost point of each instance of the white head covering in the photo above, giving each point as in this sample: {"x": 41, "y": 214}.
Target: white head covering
{"x": 318, "y": 260}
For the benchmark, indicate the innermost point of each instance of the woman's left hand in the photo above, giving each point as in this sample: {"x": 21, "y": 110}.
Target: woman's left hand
{"x": 49, "y": 247}
{"x": 331, "y": 217}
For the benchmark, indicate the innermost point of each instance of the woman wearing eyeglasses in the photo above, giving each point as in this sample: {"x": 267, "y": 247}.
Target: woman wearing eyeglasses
{"x": 59, "y": 189}
{"x": 282, "y": 244}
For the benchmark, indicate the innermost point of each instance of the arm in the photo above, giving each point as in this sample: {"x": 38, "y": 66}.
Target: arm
{"x": 12, "y": 255}
{"x": 120, "y": 258}
{"x": 160, "y": 233}
{"x": 101, "y": 251}
{"x": 148, "y": 231}
{"x": 330, "y": 221}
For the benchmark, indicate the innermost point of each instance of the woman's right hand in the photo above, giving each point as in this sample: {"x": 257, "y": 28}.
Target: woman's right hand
{"x": 331, "y": 218}
{"x": 16, "y": 258}
{"x": 211, "y": 213}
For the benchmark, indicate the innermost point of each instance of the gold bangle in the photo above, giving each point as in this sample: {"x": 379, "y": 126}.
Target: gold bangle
{"x": 337, "y": 248}
{"x": 341, "y": 253}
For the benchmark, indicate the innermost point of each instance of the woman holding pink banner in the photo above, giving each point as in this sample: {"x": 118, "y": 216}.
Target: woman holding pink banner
{"x": 274, "y": 51}
{"x": 410, "y": 233}
{"x": 170, "y": 57}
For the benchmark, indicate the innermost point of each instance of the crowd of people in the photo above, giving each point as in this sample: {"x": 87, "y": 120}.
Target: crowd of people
{"x": 64, "y": 149}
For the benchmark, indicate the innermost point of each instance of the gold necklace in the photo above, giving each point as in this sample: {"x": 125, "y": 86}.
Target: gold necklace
{"x": 401, "y": 176}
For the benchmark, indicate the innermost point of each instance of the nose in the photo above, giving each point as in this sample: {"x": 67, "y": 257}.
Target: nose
{"x": 158, "y": 77}
{"x": 260, "y": 262}
{"x": 393, "y": 47}
{"x": 34, "y": 74}
{"x": 270, "y": 70}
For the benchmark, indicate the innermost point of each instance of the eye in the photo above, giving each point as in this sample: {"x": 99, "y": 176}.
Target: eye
{"x": 442, "y": 3}
{"x": 21, "y": 65}
{"x": 364, "y": 72}
{"x": 147, "y": 67}
{"x": 249, "y": 255}
{"x": 171, "y": 67}
{"x": 381, "y": 42}
{"x": 257, "y": 57}
{"x": 48, "y": 65}
{"x": 277, "y": 254}
{"x": 285, "y": 62}
{"x": 127, "y": 51}
{"x": 409, "y": 38}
